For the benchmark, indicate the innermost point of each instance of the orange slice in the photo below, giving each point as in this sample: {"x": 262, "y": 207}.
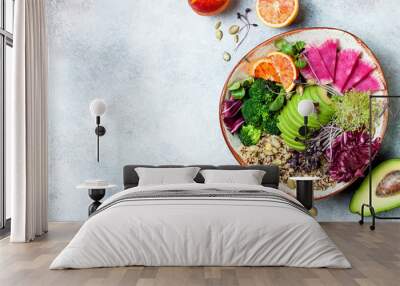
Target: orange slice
{"x": 278, "y": 67}
{"x": 285, "y": 68}
{"x": 277, "y": 13}
{"x": 265, "y": 69}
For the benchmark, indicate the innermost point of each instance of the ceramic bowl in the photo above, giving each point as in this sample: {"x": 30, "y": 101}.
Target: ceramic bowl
{"x": 315, "y": 35}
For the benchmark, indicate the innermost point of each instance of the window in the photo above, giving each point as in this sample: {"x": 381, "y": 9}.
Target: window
{"x": 6, "y": 63}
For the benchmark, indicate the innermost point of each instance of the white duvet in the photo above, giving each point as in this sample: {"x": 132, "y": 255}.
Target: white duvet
{"x": 200, "y": 231}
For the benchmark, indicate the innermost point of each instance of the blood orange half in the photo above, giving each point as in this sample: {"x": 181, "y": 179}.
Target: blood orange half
{"x": 264, "y": 69}
{"x": 277, "y": 13}
{"x": 278, "y": 67}
{"x": 208, "y": 7}
{"x": 286, "y": 69}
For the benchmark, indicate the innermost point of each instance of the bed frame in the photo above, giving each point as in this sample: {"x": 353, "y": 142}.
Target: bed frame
{"x": 271, "y": 177}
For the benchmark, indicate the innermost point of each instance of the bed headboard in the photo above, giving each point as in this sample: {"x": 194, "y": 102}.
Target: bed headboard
{"x": 271, "y": 178}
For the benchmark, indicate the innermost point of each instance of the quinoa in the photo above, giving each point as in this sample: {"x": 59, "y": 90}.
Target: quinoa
{"x": 272, "y": 150}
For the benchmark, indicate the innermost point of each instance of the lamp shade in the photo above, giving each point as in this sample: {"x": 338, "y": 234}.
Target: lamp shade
{"x": 97, "y": 107}
{"x": 306, "y": 107}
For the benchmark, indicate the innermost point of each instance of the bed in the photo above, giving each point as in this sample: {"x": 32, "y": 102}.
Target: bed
{"x": 198, "y": 224}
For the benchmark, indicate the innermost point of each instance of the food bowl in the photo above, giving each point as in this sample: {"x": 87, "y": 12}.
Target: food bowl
{"x": 315, "y": 35}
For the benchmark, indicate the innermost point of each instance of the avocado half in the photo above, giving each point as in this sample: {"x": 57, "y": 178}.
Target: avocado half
{"x": 385, "y": 189}
{"x": 290, "y": 120}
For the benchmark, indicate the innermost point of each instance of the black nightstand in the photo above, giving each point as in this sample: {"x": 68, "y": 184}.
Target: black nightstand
{"x": 304, "y": 192}
{"x": 96, "y": 193}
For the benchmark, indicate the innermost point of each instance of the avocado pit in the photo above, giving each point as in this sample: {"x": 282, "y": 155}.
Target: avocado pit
{"x": 389, "y": 185}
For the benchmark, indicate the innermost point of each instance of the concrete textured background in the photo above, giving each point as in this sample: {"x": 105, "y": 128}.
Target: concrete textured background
{"x": 160, "y": 70}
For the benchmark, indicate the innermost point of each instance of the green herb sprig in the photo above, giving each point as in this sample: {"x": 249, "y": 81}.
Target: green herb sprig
{"x": 292, "y": 49}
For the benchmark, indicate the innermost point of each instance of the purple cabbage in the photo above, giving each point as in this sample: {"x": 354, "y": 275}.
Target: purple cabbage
{"x": 232, "y": 116}
{"x": 349, "y": 155}
{"x": 231, "y": 108}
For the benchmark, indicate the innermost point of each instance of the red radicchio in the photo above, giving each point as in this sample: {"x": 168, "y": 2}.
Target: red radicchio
{"x": 233, "y": 119}
{"x": 349, "y": 155}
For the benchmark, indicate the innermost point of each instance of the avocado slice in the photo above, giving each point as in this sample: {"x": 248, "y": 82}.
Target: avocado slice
{"x": 293, "y": 126}
{"x": 290, "y": 120}
{"x": 296, "y": 117}
{"x": 293, "y": 144}
{"x": 291, "y": 108}
{"x": 286, "y": 129}
{"x": 385, "y": 189}
{"x": 320, "y": 95}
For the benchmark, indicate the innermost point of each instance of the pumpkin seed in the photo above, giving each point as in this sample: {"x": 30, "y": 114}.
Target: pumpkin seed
{"x": 218, "y": 25}
{"x": 299, "y": 90}
{"x": 234, "y": 29}
{"x": 236, "y": 38}
{"x": 219, "y": 35}
{"x": 227, "y": 57}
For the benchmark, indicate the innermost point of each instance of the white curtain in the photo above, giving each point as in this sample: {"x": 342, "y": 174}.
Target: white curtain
{"x": 27, "y": 121}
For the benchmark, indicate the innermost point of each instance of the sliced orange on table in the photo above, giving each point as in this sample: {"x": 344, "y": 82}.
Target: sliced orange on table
{"x": 278, "y": 67}
{"x": 277, "y": 13}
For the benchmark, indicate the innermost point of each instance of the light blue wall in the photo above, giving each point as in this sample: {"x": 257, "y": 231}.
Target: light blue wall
{"x": 159, "y": 68}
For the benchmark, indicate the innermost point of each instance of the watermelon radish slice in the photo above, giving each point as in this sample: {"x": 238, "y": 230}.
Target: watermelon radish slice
{"x": 370, "y": 83}
{"x": 317, "y": 65}
{"x": 307, "y": 72}
{"x": 346, "y": 61}
{"x": 328, "y": 51}
{"x": 361, "y": 71}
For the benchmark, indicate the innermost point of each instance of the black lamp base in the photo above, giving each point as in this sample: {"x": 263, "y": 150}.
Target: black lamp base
{"x": 96, "y": 195}
{"x": 304, "y": 193}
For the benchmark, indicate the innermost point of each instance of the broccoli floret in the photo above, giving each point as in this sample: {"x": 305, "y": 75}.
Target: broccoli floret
{"x": 249, "y": 135}
{"x": 269, "y": 124}
{"x": 256, "y": 110}
{"x": 252, "y": 111}
{"x": 264, "y": 90}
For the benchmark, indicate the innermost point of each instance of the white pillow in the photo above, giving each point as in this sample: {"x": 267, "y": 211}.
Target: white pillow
{"x": 166, "y": 176}
{"x": 248, "y": 177}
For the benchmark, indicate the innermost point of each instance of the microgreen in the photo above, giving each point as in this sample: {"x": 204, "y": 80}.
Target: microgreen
{"x": 246, "y": 25}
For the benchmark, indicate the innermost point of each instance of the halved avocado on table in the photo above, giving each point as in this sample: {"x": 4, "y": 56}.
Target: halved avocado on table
{"x": 385, "y": 189}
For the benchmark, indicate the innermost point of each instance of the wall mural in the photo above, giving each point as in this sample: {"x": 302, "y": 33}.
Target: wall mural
{"x": 261, "y": 104}
{"x": 162, "y": 84}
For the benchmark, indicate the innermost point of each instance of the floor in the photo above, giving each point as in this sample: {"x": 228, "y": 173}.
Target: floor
{"x": 375, "y": 257}
{"x": 4, "y": 232}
